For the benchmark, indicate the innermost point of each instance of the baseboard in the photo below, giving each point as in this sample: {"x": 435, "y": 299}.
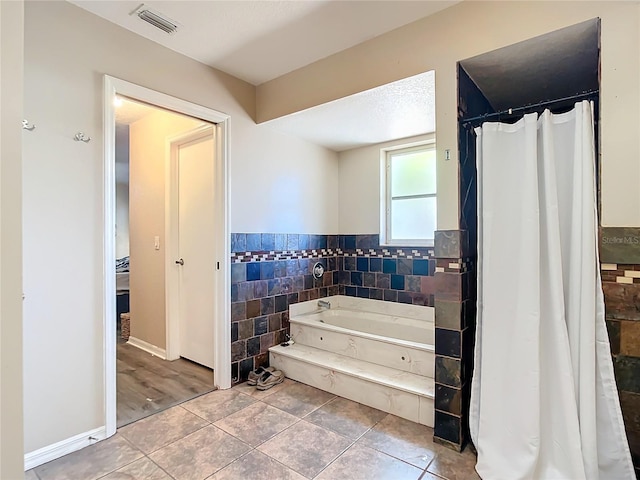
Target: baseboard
{"x": 147, "y": 347}
{"x": 63, "y": 447}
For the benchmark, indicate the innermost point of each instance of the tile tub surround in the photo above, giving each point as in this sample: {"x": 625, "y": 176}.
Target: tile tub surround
{"x": 271, "y": 271}
{"x": 455, "y": 300}
{"x": 621, "y": 286}
{"x": 261, "y": 293}
{"x": 392, "y": 274}
{"x": 369, "y": 270}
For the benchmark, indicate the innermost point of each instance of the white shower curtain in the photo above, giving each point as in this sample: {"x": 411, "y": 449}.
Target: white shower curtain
{"x": 544, "y": 403}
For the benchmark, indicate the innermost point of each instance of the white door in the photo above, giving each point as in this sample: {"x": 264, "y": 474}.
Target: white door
{"x": 196, "y": 249}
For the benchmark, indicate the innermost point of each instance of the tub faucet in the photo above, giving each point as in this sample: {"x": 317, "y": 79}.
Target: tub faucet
{"x": 324, "y": 304}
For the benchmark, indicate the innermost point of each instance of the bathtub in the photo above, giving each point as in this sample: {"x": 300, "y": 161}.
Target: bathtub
{"x": 377, "y": 353}
{"x": 384, "y": 333}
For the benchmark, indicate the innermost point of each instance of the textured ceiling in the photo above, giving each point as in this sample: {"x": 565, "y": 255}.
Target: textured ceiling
{"x": 400, "y": 109}
{"x": 258, "y": 41}
{"x": 130, "y": 111}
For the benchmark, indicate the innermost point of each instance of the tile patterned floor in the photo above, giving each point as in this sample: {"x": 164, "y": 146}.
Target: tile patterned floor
{"x": 291, "y": 432}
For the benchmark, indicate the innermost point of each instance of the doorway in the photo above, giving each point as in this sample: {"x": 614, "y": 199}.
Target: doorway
{"x": 152, "y": 332}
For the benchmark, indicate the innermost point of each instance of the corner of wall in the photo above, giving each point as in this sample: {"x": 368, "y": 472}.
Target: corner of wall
{"x": 11, "y": 115}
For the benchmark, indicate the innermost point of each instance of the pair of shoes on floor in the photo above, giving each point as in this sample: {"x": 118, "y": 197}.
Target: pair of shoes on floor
{"x": 265, "y": 377}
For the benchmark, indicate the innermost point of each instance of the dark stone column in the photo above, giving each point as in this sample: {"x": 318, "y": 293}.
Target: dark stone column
{"x": 454, "y": 326}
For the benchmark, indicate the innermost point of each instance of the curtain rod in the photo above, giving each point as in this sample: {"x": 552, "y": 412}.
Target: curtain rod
{"x": 582, "y": 96}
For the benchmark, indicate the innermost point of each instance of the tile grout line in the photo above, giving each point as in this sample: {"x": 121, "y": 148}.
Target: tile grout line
{"x": 282, "y": 431}
{"x": 429, "y": 464}
{"x": 421, "y": 477}
{"x": 161, "y": 468}
{"x": 353, "y": 442}
{"x": 393, "y": 456}
{"x": 210, "y": 424}
{"x": 178, "y": 439}
{"x": 36, "y": 473}
{"x": 264, "y": 441}
{"x": 232, "y": 461}
{"x": 251, "y": 447}
{"x": 126, "y": 464}
{"x": 300, "y": 419}
{"x": 278, "y": 461}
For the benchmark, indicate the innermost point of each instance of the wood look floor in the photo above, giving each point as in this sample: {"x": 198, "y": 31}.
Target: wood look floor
{"x": 147, "y": 384}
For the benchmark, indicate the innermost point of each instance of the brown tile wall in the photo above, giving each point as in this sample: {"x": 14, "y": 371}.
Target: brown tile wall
{"x": 622, "y": 306}
{"x": 455, "y": 321}
{"x": 270, "y": 271}
{"x": 261, "y": 293}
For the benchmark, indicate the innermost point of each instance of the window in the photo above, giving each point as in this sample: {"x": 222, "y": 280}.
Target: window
{"x": 408, "y": 210}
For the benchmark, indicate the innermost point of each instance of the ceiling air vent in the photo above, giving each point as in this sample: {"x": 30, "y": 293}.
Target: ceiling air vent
{"x": 156, "y": 19}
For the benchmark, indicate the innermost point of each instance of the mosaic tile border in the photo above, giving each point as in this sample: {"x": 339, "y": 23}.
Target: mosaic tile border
{"x": 267, "y": 256}
{"x": 618, "y": 273}
{"x": 451, "y": 266}
{"x": 283, "y": 255}
{"x": 392, "y": 253}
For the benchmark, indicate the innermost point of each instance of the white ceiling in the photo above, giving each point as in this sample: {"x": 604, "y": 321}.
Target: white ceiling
{"x": 400, "y": 109}
{"x": 258, "y": 41}
{"x": 261, "y": 40}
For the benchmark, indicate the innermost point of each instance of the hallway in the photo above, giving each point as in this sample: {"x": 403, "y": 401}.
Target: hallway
{"x": 147, "y": 384}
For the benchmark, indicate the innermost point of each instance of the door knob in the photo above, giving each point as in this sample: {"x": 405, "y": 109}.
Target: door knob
{"x": 180, "y": 262}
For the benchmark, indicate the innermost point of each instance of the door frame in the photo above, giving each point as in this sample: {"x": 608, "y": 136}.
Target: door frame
{"x": 171, "y": 235}
{"x": 222, "y": 327}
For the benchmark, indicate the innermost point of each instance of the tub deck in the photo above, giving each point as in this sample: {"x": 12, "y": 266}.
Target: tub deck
{"x": 393, "y": 374}
{"x": 383, "y": 327}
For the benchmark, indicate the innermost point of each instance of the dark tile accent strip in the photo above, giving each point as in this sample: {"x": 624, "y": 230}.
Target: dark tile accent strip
{"x": 448, "y": 343}
{"x": 448, "y": 371}
{"x": 627, "y": 371}
{"x": 448, "y": 399}
{"x": 613, "y": 329}
{"x": 245, "y": 367}
{"x": 448, "y": 427}
{"x": 630, "y": 403}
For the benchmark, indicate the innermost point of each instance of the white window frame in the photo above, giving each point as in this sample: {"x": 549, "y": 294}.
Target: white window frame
{"x": 385, "y": 194}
